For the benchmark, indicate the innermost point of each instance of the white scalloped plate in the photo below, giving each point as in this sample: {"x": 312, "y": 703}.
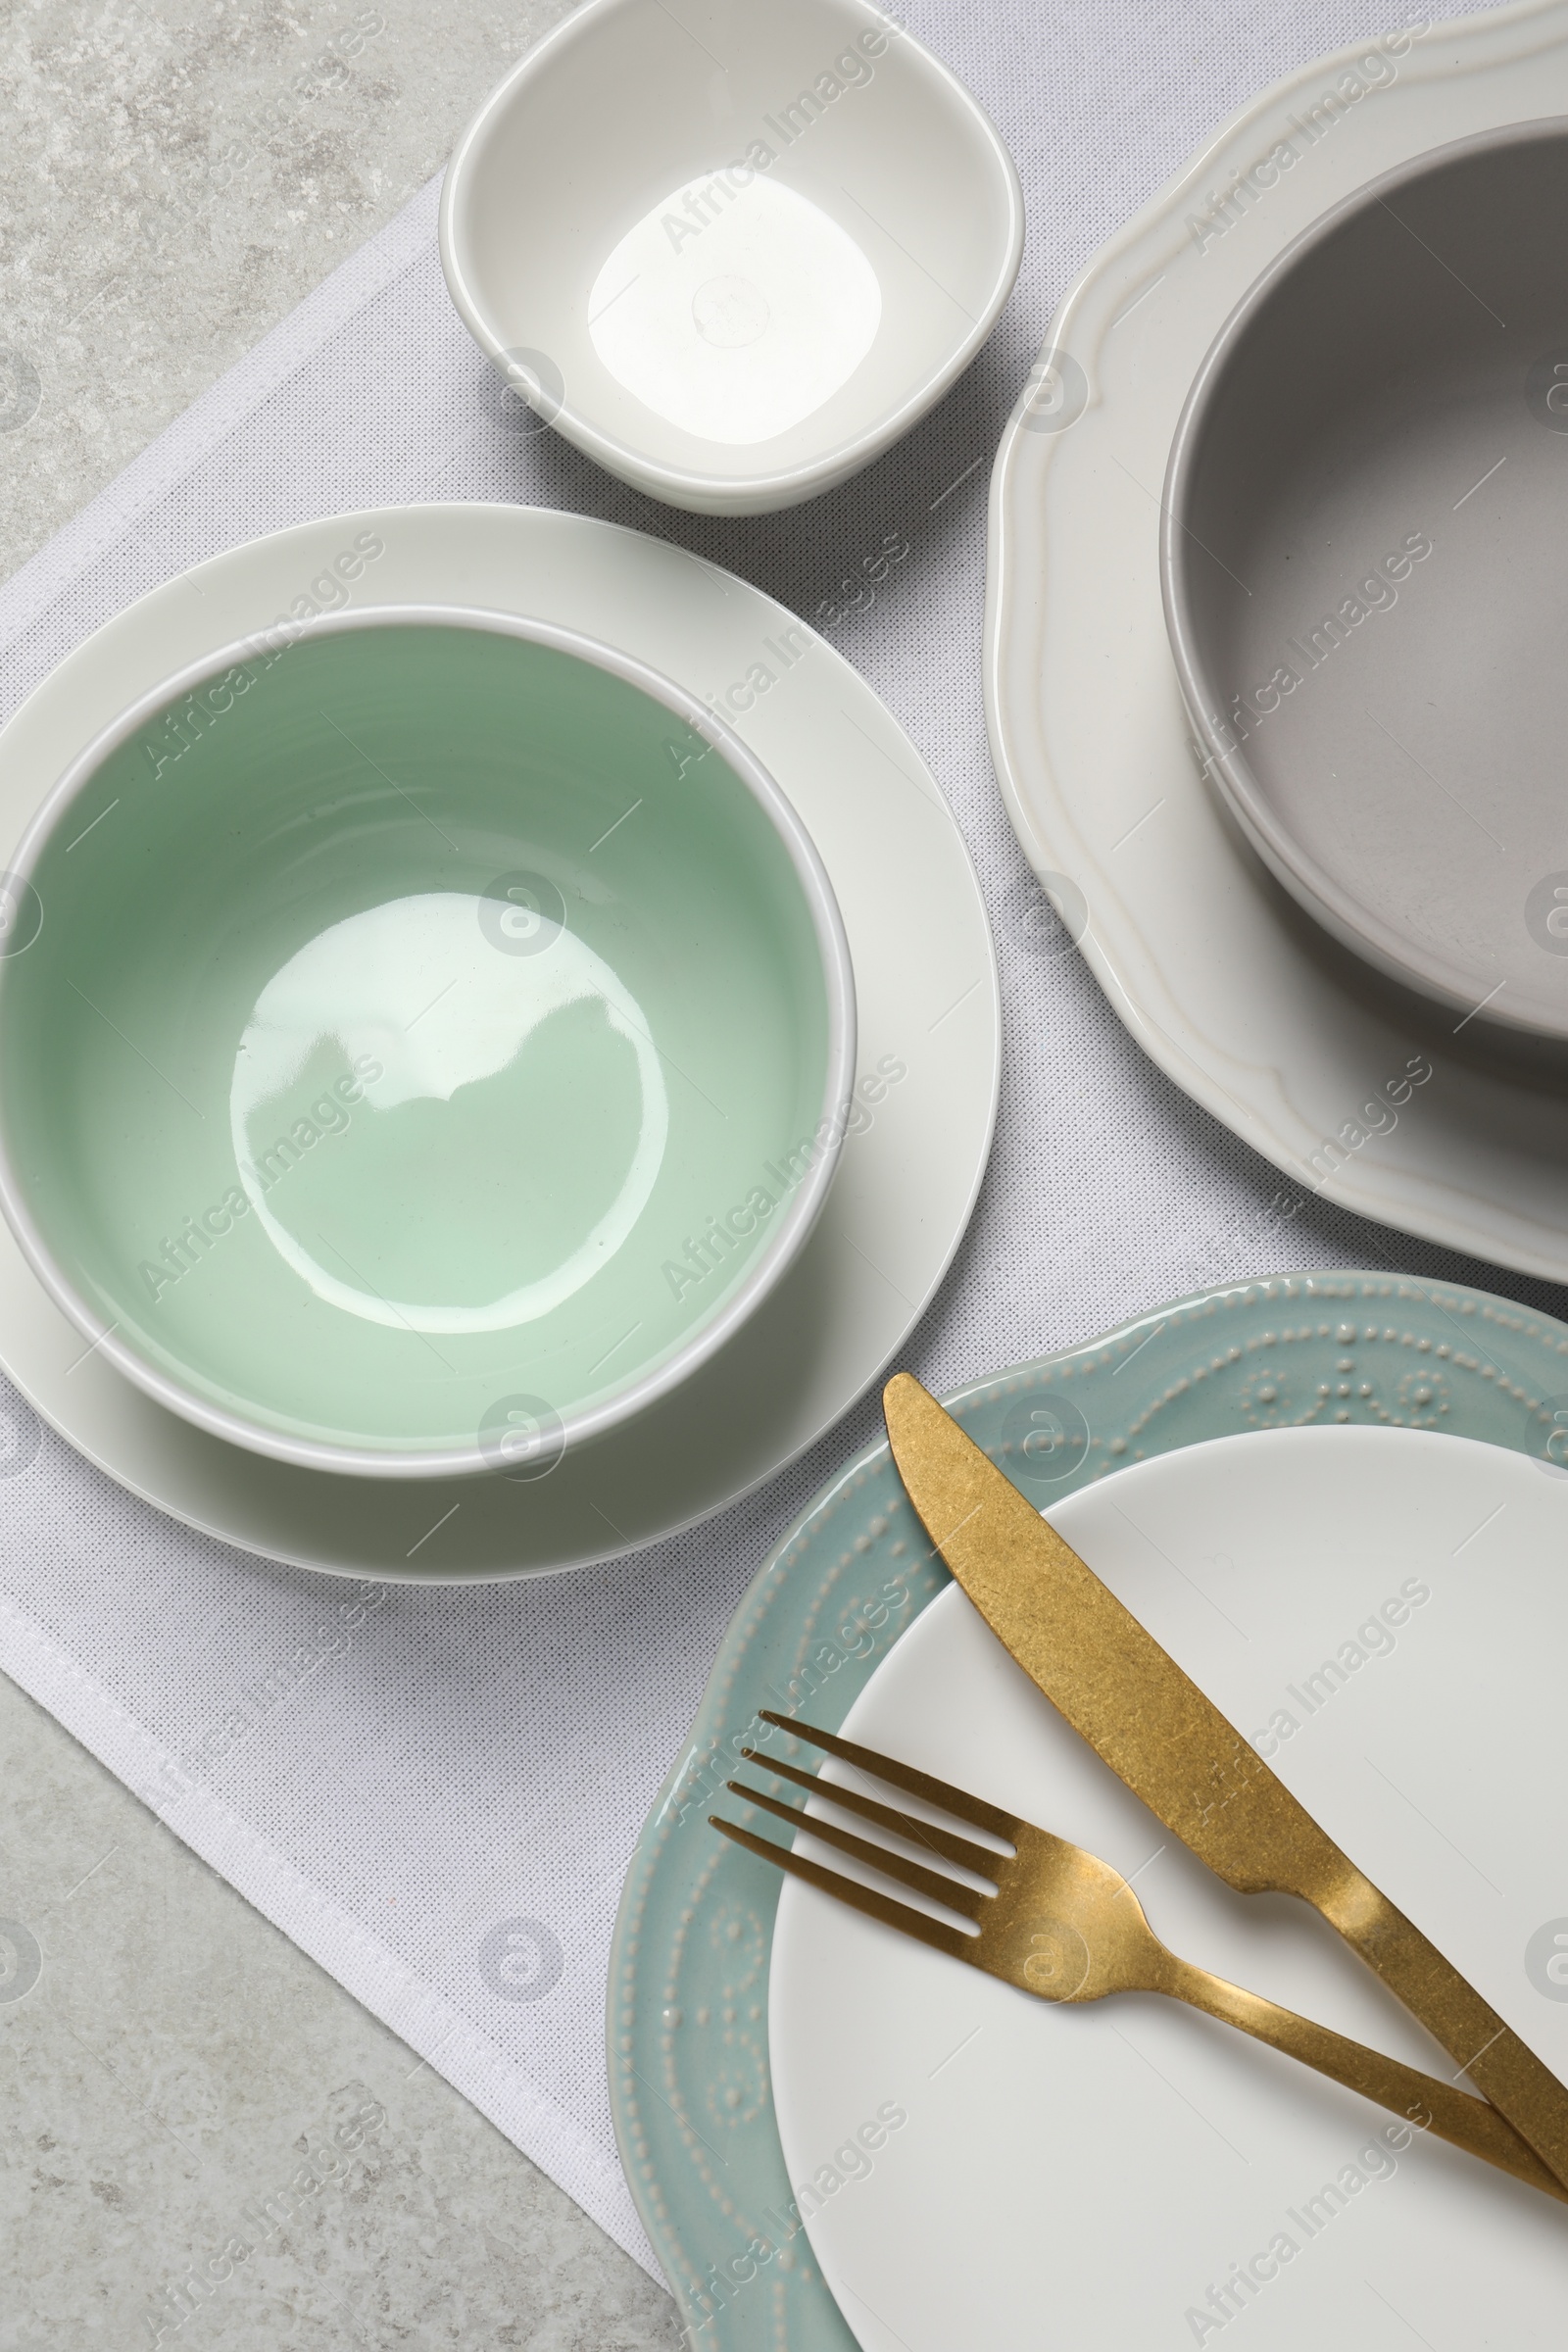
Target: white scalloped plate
{"x": 1223, "y": 984}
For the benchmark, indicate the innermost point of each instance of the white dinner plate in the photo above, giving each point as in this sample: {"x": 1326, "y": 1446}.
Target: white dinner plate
{"x": 982, "y": 2168}
{"x": 1235, "y": 993}
{"x": 928, "y": 1018}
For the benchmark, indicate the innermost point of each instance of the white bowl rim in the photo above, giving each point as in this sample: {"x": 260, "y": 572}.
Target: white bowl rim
{"x": 787, "y": 1237}
{"x": 714, "y": 492}
{"x": 1347, "y": 920}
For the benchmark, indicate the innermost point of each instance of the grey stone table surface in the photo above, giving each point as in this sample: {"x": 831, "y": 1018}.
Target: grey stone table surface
{"x": 176, "y": 2078}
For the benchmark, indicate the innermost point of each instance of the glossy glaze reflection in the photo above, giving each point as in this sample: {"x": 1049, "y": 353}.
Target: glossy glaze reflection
{"x": 408, "y": 1021}
{"x": 735, "y": 308}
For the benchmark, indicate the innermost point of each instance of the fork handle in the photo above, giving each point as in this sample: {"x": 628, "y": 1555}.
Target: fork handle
{"x": 1422, "y": 2100}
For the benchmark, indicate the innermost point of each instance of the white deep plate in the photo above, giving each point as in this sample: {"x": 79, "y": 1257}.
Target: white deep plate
{"x": 1083, "y": 2177}
{"x": 929, "y": 1042}
{"x": 732, "y": 250}
{"x": 1224, "y": 984}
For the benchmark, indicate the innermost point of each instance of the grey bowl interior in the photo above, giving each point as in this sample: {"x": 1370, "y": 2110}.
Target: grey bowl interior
{"x": 1365, "y": 567}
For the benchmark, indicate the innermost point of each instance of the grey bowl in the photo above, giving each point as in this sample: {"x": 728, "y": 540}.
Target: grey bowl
{"x": 1364, "y": 560}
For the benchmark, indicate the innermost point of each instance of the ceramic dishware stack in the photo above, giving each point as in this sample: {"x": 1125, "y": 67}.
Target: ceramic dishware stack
{"x": 543, "y": 734}
{"x": 1302, "y": 1466}
{"x": 1306, "y": 836}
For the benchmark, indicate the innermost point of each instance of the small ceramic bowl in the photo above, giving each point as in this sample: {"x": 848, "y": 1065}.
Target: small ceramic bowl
{"x": 1365, "y": 567}
{"x": 424, "y": 1038}
{"x": 731, "y": 250}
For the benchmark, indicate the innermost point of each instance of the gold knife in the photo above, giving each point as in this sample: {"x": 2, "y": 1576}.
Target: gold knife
{"x": 1173, "y": 1747}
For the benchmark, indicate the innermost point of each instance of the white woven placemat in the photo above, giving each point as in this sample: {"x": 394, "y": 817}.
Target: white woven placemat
{"x": 406, "y": 1771}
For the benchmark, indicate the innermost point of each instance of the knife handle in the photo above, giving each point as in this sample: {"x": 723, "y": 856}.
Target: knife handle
{"x": 1486, "y": 2050}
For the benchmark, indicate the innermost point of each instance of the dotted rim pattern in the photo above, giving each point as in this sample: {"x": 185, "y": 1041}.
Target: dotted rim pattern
{"x": 687, "y": 2021}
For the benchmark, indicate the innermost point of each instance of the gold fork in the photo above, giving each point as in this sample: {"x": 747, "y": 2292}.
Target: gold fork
{"x": 1056, "y": 1922}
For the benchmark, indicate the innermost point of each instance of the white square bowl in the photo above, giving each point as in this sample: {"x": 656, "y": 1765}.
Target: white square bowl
{"x": 731, "y": 250}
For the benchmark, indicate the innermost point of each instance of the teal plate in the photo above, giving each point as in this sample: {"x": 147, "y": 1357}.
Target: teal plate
{"x": 688, "y": 1979}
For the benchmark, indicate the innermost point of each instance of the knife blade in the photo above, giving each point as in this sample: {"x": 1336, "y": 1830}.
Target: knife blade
{"x": 1151, "y": 1723}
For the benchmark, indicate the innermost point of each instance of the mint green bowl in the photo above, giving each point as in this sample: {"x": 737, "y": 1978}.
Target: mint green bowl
{"x": 424, "y": 1038}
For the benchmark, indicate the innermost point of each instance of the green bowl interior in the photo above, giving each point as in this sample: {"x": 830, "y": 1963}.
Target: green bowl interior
{"x": 407, "y": 1006}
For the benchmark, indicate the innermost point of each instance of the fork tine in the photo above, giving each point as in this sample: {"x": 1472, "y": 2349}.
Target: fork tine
{"x": 972, "y": 1809}
{"x": 924, "y": 1929}
{"x": 946, "y": 1843}
{"x": 966, "y": 1900}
